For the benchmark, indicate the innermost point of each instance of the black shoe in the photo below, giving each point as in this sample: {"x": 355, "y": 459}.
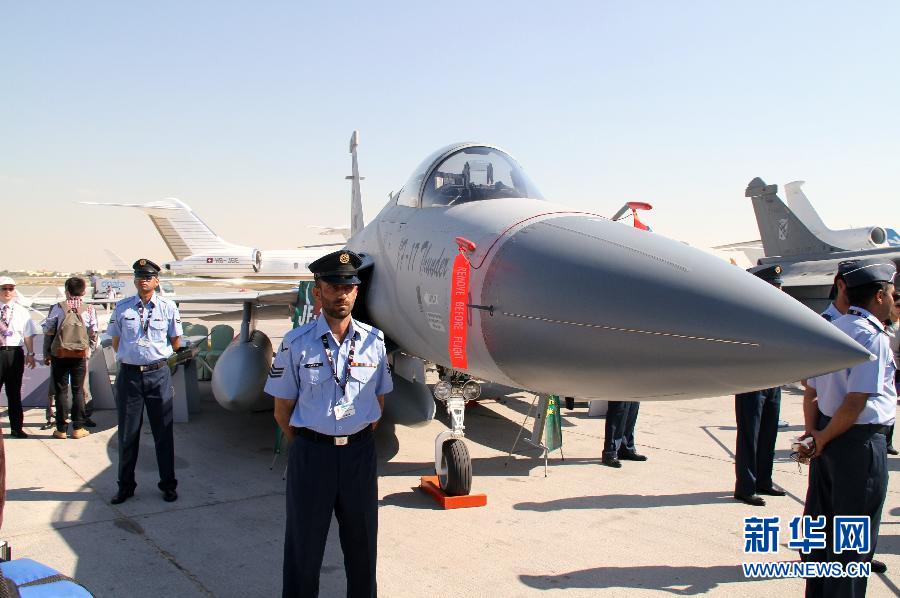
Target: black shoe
{"x": 612, "y": 462}
{"x": 753, "y": 499}
{"x": 772, "y": 491}
{"x": 121, "y": 496}
{"x": 19, "y": 434}
{"x": 170, "y": 495}
{"x": 632, "y": 457}
{"x": 878, "y": 566}
{"x": 892, "y": 451}
{"x": 89, "y": 423}
{"x": 48, "y": 425}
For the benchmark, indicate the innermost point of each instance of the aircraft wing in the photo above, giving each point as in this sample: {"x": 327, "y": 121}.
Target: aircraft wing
{"x": 273, "y": 297}
{"x": 231, "y": 282}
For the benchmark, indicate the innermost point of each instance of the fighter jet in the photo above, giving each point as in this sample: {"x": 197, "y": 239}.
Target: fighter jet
{"x": 469, "y": 268}
{"x": 809, "y": 261}
{"x": 473, "y": 270}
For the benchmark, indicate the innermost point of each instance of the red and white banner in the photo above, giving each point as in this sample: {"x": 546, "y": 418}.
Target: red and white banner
{"x": 459, "y": 297}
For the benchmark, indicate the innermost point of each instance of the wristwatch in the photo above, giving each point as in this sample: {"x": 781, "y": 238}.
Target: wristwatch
{"x": 29, "y": 354}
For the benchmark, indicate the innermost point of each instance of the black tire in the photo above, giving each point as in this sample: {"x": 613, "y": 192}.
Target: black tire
{"x": 458, "y": 481}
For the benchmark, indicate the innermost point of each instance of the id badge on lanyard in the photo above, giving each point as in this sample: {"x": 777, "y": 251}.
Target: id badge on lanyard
{"x": 343, "y": 406}
{"x": 144, "y": 327}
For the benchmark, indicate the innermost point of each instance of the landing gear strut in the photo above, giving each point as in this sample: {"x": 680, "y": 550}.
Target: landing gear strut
{"x": 452, "y": 462}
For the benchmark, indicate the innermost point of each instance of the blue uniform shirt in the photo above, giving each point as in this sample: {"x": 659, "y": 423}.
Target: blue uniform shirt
{"x": 129, "y": 322}
{"x": 301, "y": 372}
{"x": 874, "y": 378}
{"x": 832, "y": 313}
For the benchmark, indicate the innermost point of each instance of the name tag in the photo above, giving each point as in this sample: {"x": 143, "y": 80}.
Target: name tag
{"x": 313, "y": 365}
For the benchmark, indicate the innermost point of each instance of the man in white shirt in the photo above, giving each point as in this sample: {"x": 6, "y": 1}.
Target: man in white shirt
{"x": 17, "y": 329}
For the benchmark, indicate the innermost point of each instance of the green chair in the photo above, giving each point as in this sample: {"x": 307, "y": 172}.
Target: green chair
{"x": 219, "y": 338}
{"x": 197, "y": 330}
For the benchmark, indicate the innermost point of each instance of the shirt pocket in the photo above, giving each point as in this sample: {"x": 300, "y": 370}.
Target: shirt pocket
{"x": 131, "y": 327}
{"x": 157, "y": 330}
{"x": 361, "y": 377}
{"x": 311, "y": 378}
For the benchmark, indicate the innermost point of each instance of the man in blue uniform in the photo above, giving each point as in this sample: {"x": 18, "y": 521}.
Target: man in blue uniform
{"x": 847, "y": 413}
{"x": 838, "y": 295}
{"x": 329, "y": 379}
{"x": 756, "y": 414}
{"x": 145, "y": 331}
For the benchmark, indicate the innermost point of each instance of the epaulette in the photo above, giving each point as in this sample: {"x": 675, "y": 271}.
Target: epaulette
{"x": 369, "y": 329}
{"x": 165, "y": 300}
{"x": 297, "y": 332}
{"x": 122, "y": 304}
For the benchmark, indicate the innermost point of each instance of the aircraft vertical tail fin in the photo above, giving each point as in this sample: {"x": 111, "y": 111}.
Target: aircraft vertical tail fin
{"x": 782, "y": 233}
{"x": 800, "y": 205}
{"x": 356, "y": 211}
{"x": 118, "y": 264}
{"x": 183, "y": 232}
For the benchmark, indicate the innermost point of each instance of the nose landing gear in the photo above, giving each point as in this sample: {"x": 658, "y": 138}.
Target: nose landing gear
{"x": 452, "y": 462}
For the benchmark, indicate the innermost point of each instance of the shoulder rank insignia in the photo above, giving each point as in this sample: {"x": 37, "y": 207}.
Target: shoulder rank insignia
{"x": 275, "y": 372}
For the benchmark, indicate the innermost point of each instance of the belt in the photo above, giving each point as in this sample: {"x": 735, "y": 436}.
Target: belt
{"x": 333, "y": 440}
{"x": 151, "y": 367}
{"x": 870, "y": 428}
{"x": 4, "y": 348}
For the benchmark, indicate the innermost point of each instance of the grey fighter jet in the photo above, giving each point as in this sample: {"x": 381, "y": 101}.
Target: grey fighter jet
{"x": 472, "y": 269}
{"x": 808, "y": 261}
{"x": 468, "y": 267}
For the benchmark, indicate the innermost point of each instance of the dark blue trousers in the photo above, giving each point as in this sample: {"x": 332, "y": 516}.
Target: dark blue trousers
{"x": 850, "y": 477}
{"x": 621, "y": 417}
{"x": 324, "y": 479}
{"x": 136, "y": 390}
{"x": 757, "y": 429}
{"x": 12, "y": 369}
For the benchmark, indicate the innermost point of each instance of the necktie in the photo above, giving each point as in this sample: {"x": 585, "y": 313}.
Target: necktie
{"x": 4, "y": 325}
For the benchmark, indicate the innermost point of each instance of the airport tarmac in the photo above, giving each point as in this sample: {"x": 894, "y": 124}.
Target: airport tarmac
{"x": 668, "y": 526}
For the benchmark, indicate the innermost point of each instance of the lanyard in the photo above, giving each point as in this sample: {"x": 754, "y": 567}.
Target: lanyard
{"x": 140, "y": 308}
{"x": 331, "y": 361}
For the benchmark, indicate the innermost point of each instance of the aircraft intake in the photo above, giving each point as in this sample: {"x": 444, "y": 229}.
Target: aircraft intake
{"x": 589, "y": 308}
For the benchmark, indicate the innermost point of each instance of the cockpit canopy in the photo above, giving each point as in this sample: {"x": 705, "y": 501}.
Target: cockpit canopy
{"x": 470, "y": 173}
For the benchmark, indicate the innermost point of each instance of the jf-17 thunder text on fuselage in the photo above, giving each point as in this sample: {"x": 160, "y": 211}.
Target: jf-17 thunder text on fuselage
{"x": 468, "y": 267}
{"x": 809, "y": 261}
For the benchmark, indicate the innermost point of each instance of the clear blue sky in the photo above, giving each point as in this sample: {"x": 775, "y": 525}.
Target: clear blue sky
{"x": 244, "y": 111}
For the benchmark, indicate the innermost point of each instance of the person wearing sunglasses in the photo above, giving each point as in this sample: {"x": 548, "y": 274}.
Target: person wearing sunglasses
{"x": 145, "y": 330}
{"x": 17, "y": 330}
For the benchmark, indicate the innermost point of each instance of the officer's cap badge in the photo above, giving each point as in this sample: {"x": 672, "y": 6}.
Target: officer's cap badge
{"x": 143, "y": 262}
{"x": 777, "y": 269}
{"x": 345, "y": 258}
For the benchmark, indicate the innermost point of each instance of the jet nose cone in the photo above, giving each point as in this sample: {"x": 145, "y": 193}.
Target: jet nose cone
{"x": 586, "y": 307}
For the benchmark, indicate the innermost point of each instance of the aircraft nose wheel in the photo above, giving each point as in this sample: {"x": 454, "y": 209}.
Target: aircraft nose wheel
{"x": 456, "y": 462}
{"x": 452, "y": 462}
